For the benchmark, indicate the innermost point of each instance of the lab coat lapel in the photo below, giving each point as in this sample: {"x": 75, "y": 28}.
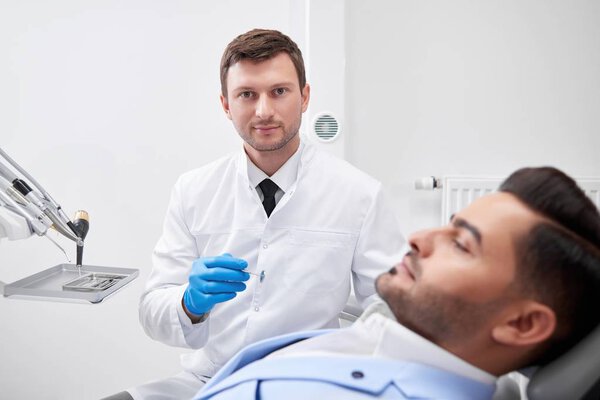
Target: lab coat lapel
{"x": 307, "y": 154}
{"x": 246, "y": 191}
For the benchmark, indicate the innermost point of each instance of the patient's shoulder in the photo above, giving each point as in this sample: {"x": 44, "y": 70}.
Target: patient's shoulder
{"x": 356, "y": 377}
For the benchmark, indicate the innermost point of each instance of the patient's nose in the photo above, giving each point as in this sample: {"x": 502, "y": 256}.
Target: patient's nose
{"x": 421, "y": 242}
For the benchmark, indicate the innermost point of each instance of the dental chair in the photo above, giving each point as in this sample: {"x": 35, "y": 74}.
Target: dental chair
{"x": 350, "y": 313}
{"x": 573, "y": 376}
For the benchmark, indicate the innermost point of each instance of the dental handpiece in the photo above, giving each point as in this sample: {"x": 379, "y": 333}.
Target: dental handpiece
{"x": 20, "y": 186}
{"x": 81, "y": 222}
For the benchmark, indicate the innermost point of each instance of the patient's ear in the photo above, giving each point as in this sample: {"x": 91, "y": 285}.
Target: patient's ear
{"x": 526, "y": 323}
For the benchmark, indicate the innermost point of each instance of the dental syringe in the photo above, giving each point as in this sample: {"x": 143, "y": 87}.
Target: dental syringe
{"x": 260, "y": 275}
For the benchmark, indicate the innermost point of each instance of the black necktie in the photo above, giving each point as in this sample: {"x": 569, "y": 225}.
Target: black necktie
{"x": 268, "y": 188}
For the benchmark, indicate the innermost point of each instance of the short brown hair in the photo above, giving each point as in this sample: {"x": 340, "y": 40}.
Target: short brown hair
{"x": 558, "y": 261}
{"x": 260, "y": 45}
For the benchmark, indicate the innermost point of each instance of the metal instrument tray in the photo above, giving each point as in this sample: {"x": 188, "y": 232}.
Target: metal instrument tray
{"x": 66, "y": 281}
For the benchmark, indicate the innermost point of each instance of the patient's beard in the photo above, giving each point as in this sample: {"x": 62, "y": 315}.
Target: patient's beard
{"x": 440, "y": 317}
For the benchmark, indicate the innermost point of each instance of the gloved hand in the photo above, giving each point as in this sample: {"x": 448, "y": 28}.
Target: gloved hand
{"x": 214, "y": 280}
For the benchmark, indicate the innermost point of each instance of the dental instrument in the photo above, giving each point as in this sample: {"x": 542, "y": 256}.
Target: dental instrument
{"x": 260, "y": 276}
{"x": 26, "y": 208}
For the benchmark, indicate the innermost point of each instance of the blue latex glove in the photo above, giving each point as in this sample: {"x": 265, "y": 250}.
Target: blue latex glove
{"x": 214, "y": 280}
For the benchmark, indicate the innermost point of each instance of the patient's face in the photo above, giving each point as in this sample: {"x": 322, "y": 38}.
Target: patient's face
{"x": 458, "y": 278}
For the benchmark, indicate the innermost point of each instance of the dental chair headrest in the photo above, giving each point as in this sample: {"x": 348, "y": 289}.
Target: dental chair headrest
{"x": 574, "y": 375}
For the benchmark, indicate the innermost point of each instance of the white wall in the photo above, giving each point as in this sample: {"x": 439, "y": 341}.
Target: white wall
{"x": 470, "y": 87}
{"x": 106, "y": 102}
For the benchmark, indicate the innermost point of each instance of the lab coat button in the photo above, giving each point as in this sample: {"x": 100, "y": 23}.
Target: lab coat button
{"x": 256, "y": 309}
{"x": 358, "y": 374}
{"x": 265, "y": 246}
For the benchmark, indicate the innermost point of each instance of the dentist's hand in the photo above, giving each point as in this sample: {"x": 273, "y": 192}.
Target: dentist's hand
{"x": 214, "y": 280}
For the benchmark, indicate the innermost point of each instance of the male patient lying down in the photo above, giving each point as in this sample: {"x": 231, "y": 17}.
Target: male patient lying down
{"x": 510, "y": 282}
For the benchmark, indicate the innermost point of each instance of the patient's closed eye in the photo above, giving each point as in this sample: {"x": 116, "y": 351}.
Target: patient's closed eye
{"x": 460, "y": 246}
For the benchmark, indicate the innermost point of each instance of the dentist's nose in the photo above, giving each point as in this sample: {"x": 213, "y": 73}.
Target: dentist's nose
{"x": 264, "y": 108}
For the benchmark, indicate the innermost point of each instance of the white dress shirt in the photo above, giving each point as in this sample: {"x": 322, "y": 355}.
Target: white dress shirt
{"x": 377, "y": 333}
{"x": 284, "y": 178}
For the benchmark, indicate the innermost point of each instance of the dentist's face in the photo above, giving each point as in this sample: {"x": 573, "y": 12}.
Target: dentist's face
{"x": 458, "y": 278}
{"x": 265, "y": 103}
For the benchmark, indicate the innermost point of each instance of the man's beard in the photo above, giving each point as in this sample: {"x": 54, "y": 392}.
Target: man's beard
{"x": 441, "y": 317}
{"x": 288, "y": 135}
{"x": 434, "y": 314}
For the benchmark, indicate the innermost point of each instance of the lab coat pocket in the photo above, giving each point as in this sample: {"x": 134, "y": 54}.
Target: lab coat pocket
{"x": 240, "y": 243}
{"x": 320, "y": 261}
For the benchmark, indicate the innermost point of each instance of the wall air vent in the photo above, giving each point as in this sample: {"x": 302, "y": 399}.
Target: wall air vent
{"x": 326, "y": 127}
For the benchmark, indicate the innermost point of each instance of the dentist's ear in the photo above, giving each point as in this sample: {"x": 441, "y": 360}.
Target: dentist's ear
{"x": 305, "y": 92}
{"x": 527, "y": 323}
{"x": 225, "y": 105}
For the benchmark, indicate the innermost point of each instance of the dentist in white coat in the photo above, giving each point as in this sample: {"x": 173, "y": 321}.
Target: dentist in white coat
{"x": 310, "y": 221}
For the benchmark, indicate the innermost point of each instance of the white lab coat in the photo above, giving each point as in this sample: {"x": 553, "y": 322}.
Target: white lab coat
{"x": 332, "y": 221}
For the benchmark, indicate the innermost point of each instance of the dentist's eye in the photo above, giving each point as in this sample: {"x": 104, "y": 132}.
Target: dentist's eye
{"x": 280, "y": 91}
{"x": 245, "y": 95}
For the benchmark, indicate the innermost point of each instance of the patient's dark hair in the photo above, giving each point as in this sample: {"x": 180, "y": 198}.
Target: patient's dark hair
{"x": 260, "y": 45}
{"x": 558, "y": 261}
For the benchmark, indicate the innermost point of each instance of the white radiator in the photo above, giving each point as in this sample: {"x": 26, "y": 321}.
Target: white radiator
{"x": 460, "y": 191}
